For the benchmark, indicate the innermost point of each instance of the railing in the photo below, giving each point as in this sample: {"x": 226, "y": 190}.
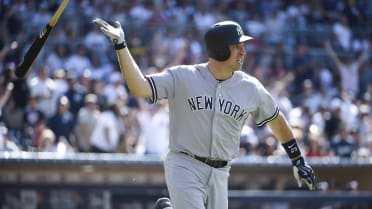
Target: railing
{"x": 25, "y": 167}
{"x": 130, "y": 181}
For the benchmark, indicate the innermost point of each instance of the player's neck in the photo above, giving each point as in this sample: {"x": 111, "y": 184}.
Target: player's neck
{"x": 218, "y": 70}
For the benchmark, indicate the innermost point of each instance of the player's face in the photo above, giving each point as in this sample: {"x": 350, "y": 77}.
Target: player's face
{"x": 237, "y": 53}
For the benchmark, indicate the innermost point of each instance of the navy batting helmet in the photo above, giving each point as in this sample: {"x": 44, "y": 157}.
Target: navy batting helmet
{"x": 220, "y": 36}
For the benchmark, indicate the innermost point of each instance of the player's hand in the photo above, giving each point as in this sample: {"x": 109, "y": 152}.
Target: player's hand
{"x": 114, "y": 32}
{"x": 303, "y": 173}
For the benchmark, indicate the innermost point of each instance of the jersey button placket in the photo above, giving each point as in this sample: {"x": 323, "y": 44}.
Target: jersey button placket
{"x": 216, "y": 117}
{"x": 219, "y": 90}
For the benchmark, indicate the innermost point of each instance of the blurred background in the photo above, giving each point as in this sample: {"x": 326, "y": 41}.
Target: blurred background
{"x": 313, "y": 56}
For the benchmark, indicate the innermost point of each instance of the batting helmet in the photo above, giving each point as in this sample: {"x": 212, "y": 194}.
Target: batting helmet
{"x": 220, "y": 36}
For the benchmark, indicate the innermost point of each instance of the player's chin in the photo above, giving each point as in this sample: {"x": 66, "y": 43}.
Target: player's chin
{"x": 239, "y": 64}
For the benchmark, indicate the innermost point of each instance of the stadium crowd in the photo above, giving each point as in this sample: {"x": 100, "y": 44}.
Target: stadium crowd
{"x": 313, "y": 56}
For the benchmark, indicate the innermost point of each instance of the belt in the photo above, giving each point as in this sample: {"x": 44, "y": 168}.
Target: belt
{"x": 208, "y": 161}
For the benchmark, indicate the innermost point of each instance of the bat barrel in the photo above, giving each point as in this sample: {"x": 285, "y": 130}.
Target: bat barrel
{"x": 36, "y": 46}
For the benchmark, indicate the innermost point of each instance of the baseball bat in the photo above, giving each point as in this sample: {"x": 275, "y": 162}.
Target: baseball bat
{"x": 24, "y": 67}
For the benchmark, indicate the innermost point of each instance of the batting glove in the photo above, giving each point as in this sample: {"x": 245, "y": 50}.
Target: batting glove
{"x": 114, "y": 33}
{"x": 303, "y": 173}
{"x": 163, "y": 203}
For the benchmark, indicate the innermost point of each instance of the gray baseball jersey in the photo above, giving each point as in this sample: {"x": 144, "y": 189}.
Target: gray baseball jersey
{"x": 206, "y": 115}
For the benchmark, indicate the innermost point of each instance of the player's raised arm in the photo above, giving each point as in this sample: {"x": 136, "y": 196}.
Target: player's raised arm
{"x": 137, "y": 83}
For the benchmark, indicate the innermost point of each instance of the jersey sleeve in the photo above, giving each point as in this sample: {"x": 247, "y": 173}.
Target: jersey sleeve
{"x": 267, "y": 110}
{"x": 162, "y": 85}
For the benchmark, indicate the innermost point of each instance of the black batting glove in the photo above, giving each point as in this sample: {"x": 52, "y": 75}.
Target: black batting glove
{"x": 303, "y": 173}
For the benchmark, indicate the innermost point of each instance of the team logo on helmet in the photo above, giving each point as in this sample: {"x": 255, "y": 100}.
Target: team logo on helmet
{"x": 239, "y": 30}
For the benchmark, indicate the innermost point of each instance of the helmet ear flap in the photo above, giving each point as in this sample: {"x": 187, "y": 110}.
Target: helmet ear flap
{"x": 221, "y": 53}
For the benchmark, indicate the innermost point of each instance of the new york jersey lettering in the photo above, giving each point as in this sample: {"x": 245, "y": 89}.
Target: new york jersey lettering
{"x": 225, "y": 106}
{"x": 201, "y": 103}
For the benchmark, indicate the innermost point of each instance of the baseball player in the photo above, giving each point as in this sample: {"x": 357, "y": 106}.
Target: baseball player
{"x": 208, "y": 106}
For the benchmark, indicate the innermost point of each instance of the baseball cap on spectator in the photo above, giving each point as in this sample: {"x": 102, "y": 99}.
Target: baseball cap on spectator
{"x": 115, "y": 77}
{"x": 47, "y": 136}
{"x": 64, "y": 101}
{"x": 59, "y": 73}
{"x": 71, "y": 77}
{"x": 364, "y": 109}
{"x": 90, "y": 98}
{"x": 336, "y": 104}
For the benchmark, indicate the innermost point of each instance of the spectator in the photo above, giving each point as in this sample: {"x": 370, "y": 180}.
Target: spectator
{"x": 61, "y": 85}
{"x": 255, "y": 25}
{"x": 281, "y": 94}
{"x": 14, "y": 96}
{"x": 190, "y": 52}
{"x": 6, "y": 144}
{"x": 133, "y": 128}
{"x": 180, "y": 13}
{"x": 309, "y": 97}
{"x": 319, "y": 117}
{"x": 154, "y": 124}
{"x": 48, "y": 141}
{"x": 333, "y": 120}
{"x": 75, "y": 95}
{"x": 326, "y": 81}
{"x": 165, "y": 47}
{"x": 33, "y": 117}
{"x": 301, "y": 67}
{"x": 297, "y": 11}
{"x": 78, "y": 61}
{"x": 105, "y": 137}
{"x": 87, "y": 119}
{"x": 348, "y": 68}
{"x": 5, "y": 93}
{"x": 41, "y": 16}
{"x": 365, "y": 81}
{"x": 342, "y": 32}
{"x": 267, "y": 146}
{"x": 238, "y": 11}
{"x": 96, "y": 88}
{"x": 62, "y": 123}
{"x": 359, "y": 43}
{"x": 202, "y": 17}
{"x": 96, "y": 42}
{"x": 300, "y": 113}
{"x": 43, "y": 87}
{"x": 343, "y": 144}
{"x": 100, "y": 70}
{"x": 21, "y": 90}
{"x": 115, "y": 89}
{"x": 364, "y": 124}
{"x": 141, "y": 12}
{"x": 275, "y": 25}
{"x": 83, "y": 81}
{"x": 57, "y": 58}
{"x": 248, "y": 142}
{"x": 354, "y": 13}
{"x": 317, "y": 145}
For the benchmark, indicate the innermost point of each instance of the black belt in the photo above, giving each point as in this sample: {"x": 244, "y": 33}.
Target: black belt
{"x": 208, "y": 161}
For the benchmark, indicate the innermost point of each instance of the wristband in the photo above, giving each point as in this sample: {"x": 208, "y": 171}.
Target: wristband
{"x": 292, "y": 149}
{"x": 120, "y": 46}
